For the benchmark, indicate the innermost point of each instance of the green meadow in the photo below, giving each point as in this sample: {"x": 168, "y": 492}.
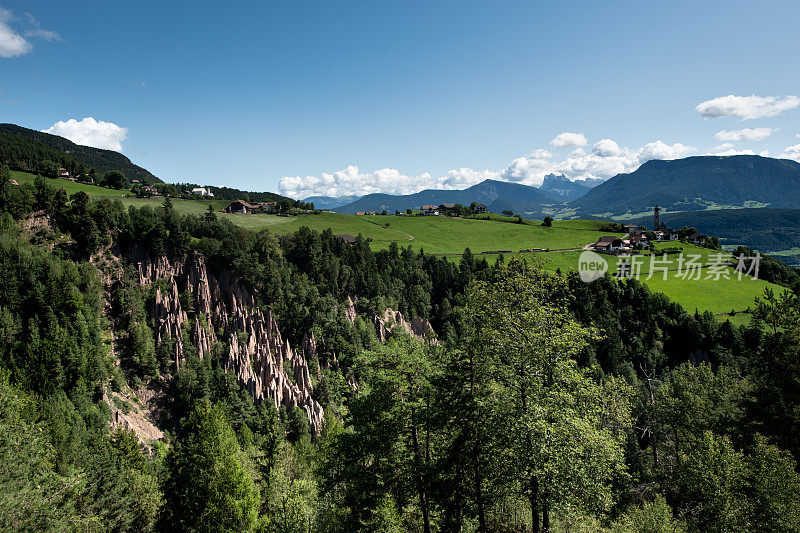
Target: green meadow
{"x": 716, "y": 289}
{"x": 442, "y": 235}
{"x": 560, "y": 243}
{"x": 435, "y": 235}
{"x": 70, "y": 187}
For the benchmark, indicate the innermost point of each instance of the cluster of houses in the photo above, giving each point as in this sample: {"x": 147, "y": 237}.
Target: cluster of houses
{"x": 441, "y": 209}
{"x": 246, "y": 208}
{"x": 637, "y": 235}
{"x": 64, "y": 174}
{"x": 445, "y": 209}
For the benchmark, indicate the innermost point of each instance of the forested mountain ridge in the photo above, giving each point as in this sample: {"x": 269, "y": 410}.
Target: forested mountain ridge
{"x": 695, "y": 183}
{"x": 484, "y": 192}
{"x": 546, "y": 403}
{"x": 21, "y": 153}
{"x": 101, "y": 160}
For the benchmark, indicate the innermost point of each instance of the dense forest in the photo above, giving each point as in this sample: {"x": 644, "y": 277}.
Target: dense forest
{"x": 540, "y": 403}
{"x": 97, "y": 158}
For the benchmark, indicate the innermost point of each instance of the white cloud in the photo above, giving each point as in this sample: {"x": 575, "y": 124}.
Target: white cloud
{"x": 568, "y": 139}
{"x": 606, "y": 159}
{"x": 792, "y": 152}
{"x": 12, "y": 44}
{"x": 47, "y": 35}
{"x": 662, "y": 150}
{"x": 727, "y": 149}
{"x": 91, "y": 132}
{"x": 745, "y": 134}
{"x": 722, "y": 147}
{"x": 607, "y": 148}
{"x": 732, "y": 151}
{"x": 38, "y": 31}
{"x": 747, "y": 107}
{"x": 387, "y": 180}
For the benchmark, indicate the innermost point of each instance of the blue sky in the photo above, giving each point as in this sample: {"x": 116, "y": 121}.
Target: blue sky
{"x": 336, "y": 98}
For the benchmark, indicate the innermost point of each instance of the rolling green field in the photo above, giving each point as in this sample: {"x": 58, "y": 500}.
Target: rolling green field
{"x": 443, "y": 235}
{"x": 435, "y": 235}
{"x": 711, "y": 292}
{"x": 70, "y": 186}
{"x": 450, "y": 236}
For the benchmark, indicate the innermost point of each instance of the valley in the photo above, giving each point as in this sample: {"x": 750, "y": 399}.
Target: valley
{"x": 399, "y": 267}
{"x": 274, "y": 334}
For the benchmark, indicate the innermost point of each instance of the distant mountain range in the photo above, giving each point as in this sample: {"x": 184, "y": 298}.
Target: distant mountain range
{"x": 331, "y": 202}
{"x": 696, "y": 183}
{"x": 101, "y": 160}
{"x": 497, "y": 195}
{"x": 743, "y": 199}
{"x": 565, "y": 188}
{"x": 486, "y": 192}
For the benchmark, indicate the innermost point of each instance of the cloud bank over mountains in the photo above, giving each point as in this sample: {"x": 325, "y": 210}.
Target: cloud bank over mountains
{"x": 569, "y": 156}
{"x": 605, "y": 159}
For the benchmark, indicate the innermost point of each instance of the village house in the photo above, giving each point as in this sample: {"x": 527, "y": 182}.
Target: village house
{"x": 360, "y": 213}
{"x": 349, "y": 239}
{"x": 632, "y": 229}
{"x": 638, "y": 238}
{"x": 242, "y": 207}
{"x": 696, "y": 238}
{"x": 447, "y": 208}
{"x": 63, "y": 173}
{"x": 608, "y": 243}
{"x": 478, "y": 208}
{"x": 202, "y": 191}
{"x": 429, "y": 210}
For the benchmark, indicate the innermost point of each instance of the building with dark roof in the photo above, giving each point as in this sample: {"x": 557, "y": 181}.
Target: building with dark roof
{"x": 349, "y": 239}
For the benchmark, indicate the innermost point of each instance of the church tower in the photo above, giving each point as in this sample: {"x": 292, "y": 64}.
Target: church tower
{"x": 656, "y": 218}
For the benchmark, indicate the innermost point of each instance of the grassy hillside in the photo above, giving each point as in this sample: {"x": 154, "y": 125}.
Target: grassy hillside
{"x": 705, "y": 294}
{"x": 442, "y": 235}
{"x": 70, "y": 187}
{"x": 718, "y": 296}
